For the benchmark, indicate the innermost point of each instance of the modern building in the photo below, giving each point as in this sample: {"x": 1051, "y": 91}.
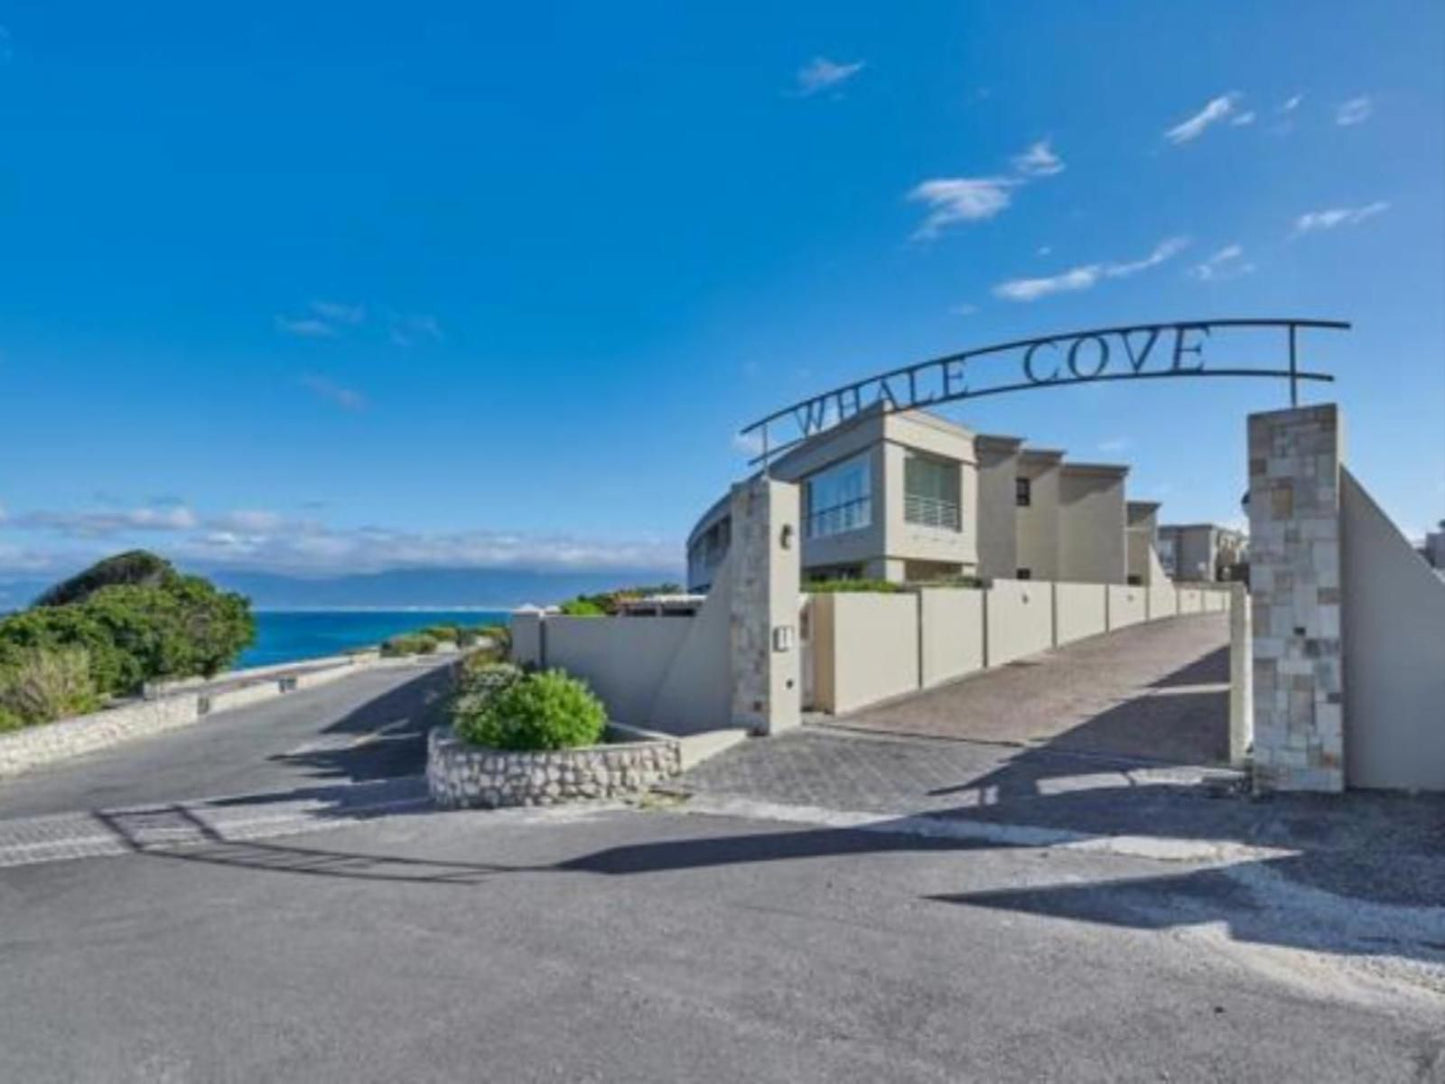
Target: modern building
{"x": 1434, "y": 548}
{"x": 1141, "y": 539}
{"x": 1202, "y": 552}
{"x": 909, "y": 496}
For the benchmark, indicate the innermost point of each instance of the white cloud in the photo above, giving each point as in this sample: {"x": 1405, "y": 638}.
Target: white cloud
{"x": 820, "y": 73}
{"x": 1216, "y": 110}
{"x": 960, "y": 199}
{"x": 1114, "y": 445}
{"x": 1088, "y": 275}
{"x": 1227, "y": 263}
{"x": 1043, "y": 250}
{"x": 1313, "y": 221}
{"x": 1038, "y": 161}
{"x": 1354, "y": 111}
{"x": 1291, "y": 103}
{"x": 408, "y": 330}
{"x": 339, "y": 312}
{"x": 306, "y": 327}
{"x": 1239, "y": 120}
{"x": 345, "y": 398}
{"x": 963, "y": 309}
{"x": 108, "y": 522}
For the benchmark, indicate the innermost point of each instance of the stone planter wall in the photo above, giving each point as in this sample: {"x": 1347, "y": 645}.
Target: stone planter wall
{"x": 463, "y": 776}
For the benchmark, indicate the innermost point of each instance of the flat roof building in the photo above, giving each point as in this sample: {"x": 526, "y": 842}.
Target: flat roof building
{"x": 1202, "y": 552}
{"x": 908, "y": 496}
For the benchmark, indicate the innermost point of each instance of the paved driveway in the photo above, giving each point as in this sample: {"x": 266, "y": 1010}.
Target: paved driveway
{"x": 1158, "y": 691}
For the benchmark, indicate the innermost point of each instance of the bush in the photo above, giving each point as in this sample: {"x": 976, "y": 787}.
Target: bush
{"x": 607, "y": 603}
{"x": 134, "y": 568}
{"x": 409, "y": 643}
{"x": 826, "y": 587}
{"x": 450, "y": 633}
{"x": 138, "y": 620}
{"x": 38, "y": 685}
{"x": 541, "y": 711}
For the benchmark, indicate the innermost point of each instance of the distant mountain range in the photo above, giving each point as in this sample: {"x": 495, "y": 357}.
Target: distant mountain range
{"x": 434, "y": 588}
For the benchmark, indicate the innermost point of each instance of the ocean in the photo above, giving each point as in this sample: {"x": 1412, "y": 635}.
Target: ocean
{"x": 293, "y": 635}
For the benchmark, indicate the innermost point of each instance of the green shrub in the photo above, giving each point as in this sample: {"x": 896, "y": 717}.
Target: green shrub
{"x": 134, "y": 567}
{"x": 138, "y": 620}
{"x": 409, "y": 643}
{"x": 450, "y": 633}
{"x": 607, "y": 602}
{"x": 40, "y": 684}
{"x": 583, "y": 607}
{"x": 825, "y": 587}
{"x": 541, "y": 711}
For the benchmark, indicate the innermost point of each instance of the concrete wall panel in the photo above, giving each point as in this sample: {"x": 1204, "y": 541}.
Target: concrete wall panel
{"x": 1191, "y": 600}
{"x": 624, "y": 659}
{"x": 1127, "y": 605}
{"x": 866, "y": 648}
{"x": 1163, "y": 602}
{"x": 1079, "y": 611}
{"x": 1020, "y": 620}
{"x": 952, "y": 629}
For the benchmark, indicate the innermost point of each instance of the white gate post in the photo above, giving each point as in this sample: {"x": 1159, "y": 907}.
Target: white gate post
{"x": 1241, "y": 676}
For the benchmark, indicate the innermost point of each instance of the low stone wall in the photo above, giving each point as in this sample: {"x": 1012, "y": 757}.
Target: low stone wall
{"x": 465, "y": 776}
{"x": 181, "y": 704}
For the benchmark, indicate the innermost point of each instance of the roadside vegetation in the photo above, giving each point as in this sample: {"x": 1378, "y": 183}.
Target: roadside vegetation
{"x": 503, "y": 707}
{"x": 104, "y": 633}
{"x": 426, "y": 641}
{"x": 609, "y": 603}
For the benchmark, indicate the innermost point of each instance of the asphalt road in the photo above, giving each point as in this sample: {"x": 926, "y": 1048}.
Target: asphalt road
{"x": 662, "y": 946}
{"x": 361, "y": 728}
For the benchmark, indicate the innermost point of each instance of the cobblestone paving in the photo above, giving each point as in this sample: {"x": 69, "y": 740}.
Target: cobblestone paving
{"x": 832, "y": 769}
{"x": 1158, "y": 691}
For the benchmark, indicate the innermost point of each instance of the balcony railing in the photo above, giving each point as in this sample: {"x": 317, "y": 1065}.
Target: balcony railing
{"x": 849, "y": 516}
{"x": 931, "y": 512}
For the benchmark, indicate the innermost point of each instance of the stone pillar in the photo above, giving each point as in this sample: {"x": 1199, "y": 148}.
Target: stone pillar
{"x": 766, "y": 569}
{"x": 1294, "y": 575}
{"x": 1241, "y": 676}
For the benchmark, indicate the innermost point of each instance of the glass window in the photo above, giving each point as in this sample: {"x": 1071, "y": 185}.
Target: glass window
{"x": 930, "y": 492}
{"x": 840, "y": 498}
{"x": 1024, "y": 574}
{"x": 1023, "y": 492}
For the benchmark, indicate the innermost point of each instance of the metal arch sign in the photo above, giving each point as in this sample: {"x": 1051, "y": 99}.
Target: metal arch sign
{"x": 1137, "y": 352}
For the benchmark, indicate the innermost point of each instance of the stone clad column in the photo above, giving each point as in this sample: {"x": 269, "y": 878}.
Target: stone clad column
{"x": 1294, "y": 576}
{"x": 765, "y": 556}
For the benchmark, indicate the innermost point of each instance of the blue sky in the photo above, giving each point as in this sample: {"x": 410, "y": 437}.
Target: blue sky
{"x": 335, "y": 287}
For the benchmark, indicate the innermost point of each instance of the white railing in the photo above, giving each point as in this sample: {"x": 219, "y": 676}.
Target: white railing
{"x": 931, "y": 511}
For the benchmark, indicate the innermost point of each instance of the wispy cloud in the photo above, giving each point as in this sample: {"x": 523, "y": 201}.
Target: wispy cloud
{"x": 821, "y": 74}
{"x": 7, "y": 51}
{"x": 952, "y": 200}
{"x": 264, "y": 540}
{"x": 964, "y": 309}
{"x": 1239, "y": 120}
{"x": 338, "y": 312}
{"x": 1088, "y": 275}
{"x": 1038, "y": 161}
{"x": 408, "y": 330}
{"x": 959, "y": 199}
{"x": 1114, "y": 445}
{"x": 306, "y": 327}
{"x": 99, "y": 524}
{"x": 1290, "y": 104}
{"x": 1314, "y": 221}
{"x": 1354, "y": 111}
{"x": 1216, "y": 110}
{"x": 1227, "y": 263}
{"x": 345, "y": 398}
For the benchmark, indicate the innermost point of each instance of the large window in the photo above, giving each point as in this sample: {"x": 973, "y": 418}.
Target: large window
{"x": 840, "y": 498}
{"x": 930, "y": 492}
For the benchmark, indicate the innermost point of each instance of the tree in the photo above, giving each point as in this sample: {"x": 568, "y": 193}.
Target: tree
{"x": 132, "y": 567}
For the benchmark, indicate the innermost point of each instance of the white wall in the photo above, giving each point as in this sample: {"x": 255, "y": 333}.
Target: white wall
{"x": 1020, "y": 619}
{"x": 1163, "y": 601}
{"x": 1393, "y": 620}
{"x": 623, "y": 659}
{"x": 1191, "y": 600}
{"x": 866, "y": 648}
{"x": 1126, "y": 605}
{"x": 1079, "y": 611}
{"x": 951, "y": 622}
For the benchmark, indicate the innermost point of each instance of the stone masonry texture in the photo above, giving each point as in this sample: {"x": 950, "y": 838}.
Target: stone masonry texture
{"x": 1294, "y": 522}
